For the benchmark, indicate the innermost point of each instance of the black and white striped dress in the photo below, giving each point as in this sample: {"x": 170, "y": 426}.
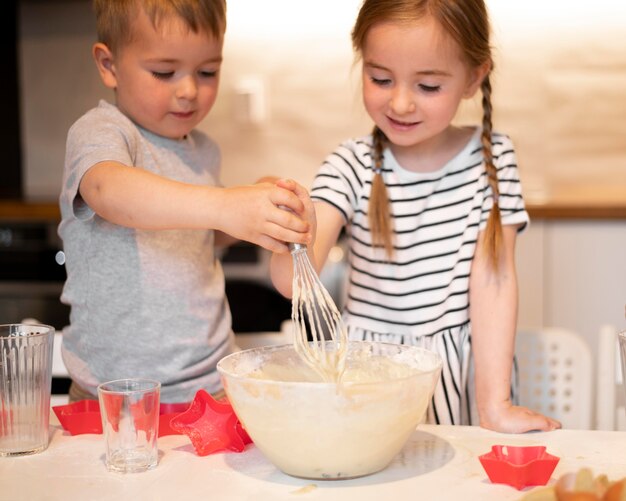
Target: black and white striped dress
{"x": 421, "y": 297}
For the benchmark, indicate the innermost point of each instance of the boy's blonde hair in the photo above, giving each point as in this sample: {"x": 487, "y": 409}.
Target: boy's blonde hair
{"x": 114, "y": 17}
{"x": 467, "y": 22}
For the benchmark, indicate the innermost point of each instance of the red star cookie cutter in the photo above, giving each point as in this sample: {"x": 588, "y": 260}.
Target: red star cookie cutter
{"x": 84, "y": 417}
{"x": 518, "y": 466}
{"x": 211, "y": 425}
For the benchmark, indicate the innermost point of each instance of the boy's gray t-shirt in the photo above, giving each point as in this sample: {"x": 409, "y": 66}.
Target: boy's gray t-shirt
{"x": 143, "y": 303}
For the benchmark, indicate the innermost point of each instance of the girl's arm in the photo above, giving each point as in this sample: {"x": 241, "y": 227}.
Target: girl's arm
{"x": 136, "y": 198}
{"x": 493, "y": 316}
{"x": 326, "y": 223}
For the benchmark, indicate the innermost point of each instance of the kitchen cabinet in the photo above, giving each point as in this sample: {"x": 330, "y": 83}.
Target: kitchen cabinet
{"x": 571, "y": 260}
{"x": 572, "y": 274}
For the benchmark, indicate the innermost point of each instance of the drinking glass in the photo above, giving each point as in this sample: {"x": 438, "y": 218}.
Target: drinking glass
{"x": 25, "y": 387}
{"x": 130, "y": 423}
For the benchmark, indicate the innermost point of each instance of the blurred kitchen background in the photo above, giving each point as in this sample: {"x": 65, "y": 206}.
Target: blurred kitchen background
{"x": 290, "y": 92}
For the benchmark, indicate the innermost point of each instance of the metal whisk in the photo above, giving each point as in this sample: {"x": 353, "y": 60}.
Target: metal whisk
{"x": 314, "y": 312}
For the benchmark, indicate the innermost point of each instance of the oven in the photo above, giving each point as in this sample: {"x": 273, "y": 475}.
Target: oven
{"x": 32, "y": 274}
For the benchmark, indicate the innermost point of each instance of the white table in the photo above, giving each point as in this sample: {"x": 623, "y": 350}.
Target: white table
{"x": 438, "y": 463}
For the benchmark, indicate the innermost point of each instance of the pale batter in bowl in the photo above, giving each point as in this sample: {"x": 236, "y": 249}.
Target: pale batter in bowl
{"x": 319, "y": 430}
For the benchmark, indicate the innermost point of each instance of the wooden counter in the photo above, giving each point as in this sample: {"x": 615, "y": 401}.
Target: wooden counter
{"x": 588, "y": 202}
{"x": 579, "y": 202}
{"x": 16, "y": 210}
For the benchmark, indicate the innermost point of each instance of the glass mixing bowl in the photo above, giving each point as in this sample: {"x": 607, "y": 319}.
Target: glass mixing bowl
{"x": 317, "y": 430}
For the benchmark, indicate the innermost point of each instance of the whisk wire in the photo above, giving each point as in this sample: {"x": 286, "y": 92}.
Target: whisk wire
{"x": 313, "y": 305}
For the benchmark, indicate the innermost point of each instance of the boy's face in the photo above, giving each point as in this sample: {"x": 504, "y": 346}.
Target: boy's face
{"x": 165, "y": 80}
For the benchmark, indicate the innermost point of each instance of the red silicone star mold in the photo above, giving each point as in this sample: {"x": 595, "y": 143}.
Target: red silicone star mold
{"x": 518, "y": 466}
{"x": 211, "y": 426}
{"x": 84, "y": 417}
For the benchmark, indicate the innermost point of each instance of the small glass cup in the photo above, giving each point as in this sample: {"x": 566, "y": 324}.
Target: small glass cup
{"x": 130, "y": 424}
{"x": 25, "y": 384}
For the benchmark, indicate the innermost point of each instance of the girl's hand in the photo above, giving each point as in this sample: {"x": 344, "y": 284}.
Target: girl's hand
{"x": 509, "y": 418}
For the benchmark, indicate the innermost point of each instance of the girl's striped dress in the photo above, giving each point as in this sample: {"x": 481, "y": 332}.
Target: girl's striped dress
{"x": 421, "y": 297}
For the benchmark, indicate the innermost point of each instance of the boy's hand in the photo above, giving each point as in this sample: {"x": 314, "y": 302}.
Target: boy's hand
{"x": 308, "y": 212}
{"x": 253, "y": 213}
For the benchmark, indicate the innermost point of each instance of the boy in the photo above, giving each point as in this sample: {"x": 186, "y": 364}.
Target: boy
{"x": 142, "y": 208}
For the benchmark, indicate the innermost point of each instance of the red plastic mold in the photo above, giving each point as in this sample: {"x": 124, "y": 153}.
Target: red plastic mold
{"x": 211, "y": 425}
{"x": 518, "y": 467}
{"x": 80, "y": 417}
{"x": 167, "y": 413}
{"x": 84, "y": 417}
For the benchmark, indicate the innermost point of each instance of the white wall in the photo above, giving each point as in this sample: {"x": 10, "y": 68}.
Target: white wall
{"x": 304, "y": 65}
{"x": 560, "y": 87}
{"x": 58, "y": 82}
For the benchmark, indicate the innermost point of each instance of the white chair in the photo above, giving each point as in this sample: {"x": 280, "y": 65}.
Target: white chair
{"x": 555, "y": 372}
{"x": 610, "y": 395}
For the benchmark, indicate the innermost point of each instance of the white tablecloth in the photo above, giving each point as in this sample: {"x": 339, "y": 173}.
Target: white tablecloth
{"x": 437, "y": 463}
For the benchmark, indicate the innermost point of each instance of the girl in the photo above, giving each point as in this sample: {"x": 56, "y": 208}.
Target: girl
{"x": 431, "y": 210}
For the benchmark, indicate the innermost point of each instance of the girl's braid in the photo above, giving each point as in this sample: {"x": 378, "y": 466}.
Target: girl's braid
{"x": 493, "y": 232}
{"x": 379, "y": 217}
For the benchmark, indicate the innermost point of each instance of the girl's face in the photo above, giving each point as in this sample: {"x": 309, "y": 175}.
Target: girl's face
{"x": 165, "y": 80}
{"x": 414, "y": 78}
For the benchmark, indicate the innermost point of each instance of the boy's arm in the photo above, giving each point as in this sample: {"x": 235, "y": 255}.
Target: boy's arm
{"x": 222, "y": 239}
{"x": 135, "y": 198}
